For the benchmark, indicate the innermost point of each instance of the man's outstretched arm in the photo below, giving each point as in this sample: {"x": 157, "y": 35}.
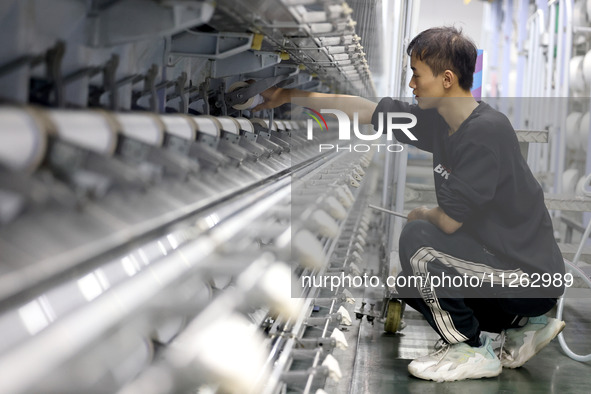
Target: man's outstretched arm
{"x": 274, "y": 97}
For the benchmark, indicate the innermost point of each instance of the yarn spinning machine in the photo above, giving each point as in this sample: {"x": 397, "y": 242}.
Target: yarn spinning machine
{"x": 154, "y": 230}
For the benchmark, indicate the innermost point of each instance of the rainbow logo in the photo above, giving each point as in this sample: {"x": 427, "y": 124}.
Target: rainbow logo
{"x": 316, "y": 118}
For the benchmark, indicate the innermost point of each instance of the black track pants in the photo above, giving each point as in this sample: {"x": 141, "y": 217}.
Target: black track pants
{"x": 458, "y": 309}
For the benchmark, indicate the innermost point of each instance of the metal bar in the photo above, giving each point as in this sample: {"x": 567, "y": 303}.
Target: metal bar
{"x": 241, "y": 95}
{"x": 400, "y": 186}
{"x": 39, "y": 353}
{"x": 496, "y": 28}
{"x": 14, "y": 283}
{"x": 564, "y": 52}
{"x": 522, "y": 34}
{"x": 587, "y": 215}
{"x": 292, "y": 331}
{"x": 360, "y": 202}
{"x": 400, "y": 215}
{"x": 507, "y": 33}
{"x": 20, "y": 62}
{"x": 581, "y": 29}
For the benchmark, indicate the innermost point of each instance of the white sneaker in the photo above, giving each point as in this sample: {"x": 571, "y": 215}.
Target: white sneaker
{"x": 521, "y": 344}
{"x": 458, "y": 362}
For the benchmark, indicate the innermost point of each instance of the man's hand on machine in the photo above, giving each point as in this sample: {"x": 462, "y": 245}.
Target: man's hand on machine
{"x": 274, "y": 97}
{"x": 437, "y": 217}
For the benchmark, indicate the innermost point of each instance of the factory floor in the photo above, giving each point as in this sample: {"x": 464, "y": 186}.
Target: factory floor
{"x": 377, "y": 362}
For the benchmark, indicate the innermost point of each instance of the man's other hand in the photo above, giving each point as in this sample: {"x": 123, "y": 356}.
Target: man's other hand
{"x": 437, "y": 217}
{"x": 419, "y": 213}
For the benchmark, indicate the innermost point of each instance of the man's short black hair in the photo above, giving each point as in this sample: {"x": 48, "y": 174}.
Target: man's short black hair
{"x": 445, "y": 48}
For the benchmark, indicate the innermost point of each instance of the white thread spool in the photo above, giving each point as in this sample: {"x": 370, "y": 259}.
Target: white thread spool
{"x": 168, "y": 329}
{"x": 180, "y": 125}
{"x": 572, "y": 130}
{"x": 136, "y": 354}
{"x": 512, "y": 83}
{"x": 321, "y": 223}
{"x": 248, "y": 104}
{"x": 584, "y": 131}
{"x": 90, "y": 130}
{"x": 340, "y": 339}
{"x": 569, "y": 180}
{"x": 229, "y": 124}
{"x": 228, "y": 350}
{"x": 264, "y": 123}
{"x": 587, "y": 69}
{"x": 280, "y": 125}
{"x": 143, "y": 127}
{"x": 580, "y": 14}
{"x": 208, "y": 125}
{"x": 308, "y": 250}
{"x": 22, "y": 140}
{"x": 334, "y": 371}
{"x": 580, "y": 188}
{"x": 583, "y": 186}
{"x": 245, "y": 124}
{"x": 576, "y": 81}
{"x": 270, "y": 284}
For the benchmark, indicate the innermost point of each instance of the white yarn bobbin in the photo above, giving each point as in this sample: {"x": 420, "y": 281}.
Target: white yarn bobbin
{"x": 248, "y": 104}
{"x": 22, "y": 140}
{"x": 569, "y": 180}
{"x": 143, "y": 127}
{"x": 572, "y": 130}
{"x": 584, "y": 131}
{"x": 580, "y": 14}
{"x": 587, "y": 68}
{"x": 576, "y": 81}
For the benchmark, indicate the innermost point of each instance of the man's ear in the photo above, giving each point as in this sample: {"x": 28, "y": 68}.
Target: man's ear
{"x": 449, "y": 78}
